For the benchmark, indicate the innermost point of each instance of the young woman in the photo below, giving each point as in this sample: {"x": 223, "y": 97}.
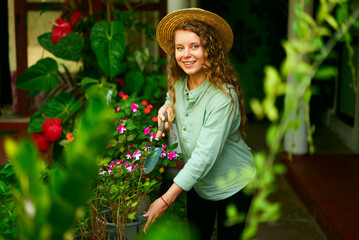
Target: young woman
{"x": 206, "y": 102}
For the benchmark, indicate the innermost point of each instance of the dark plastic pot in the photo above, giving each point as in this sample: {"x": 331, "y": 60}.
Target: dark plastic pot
{"x": 110, "y": 234}
{"x": 132, "y": 229}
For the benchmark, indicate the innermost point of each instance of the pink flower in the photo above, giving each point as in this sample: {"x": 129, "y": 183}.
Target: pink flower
{"x": 153, "y": 136}
{"x": 164, "y": 146}
{"x": 117, "y": 108}
{"x": 172, "y": 155}
{"x": 134, "y": 166}
{"x": 102, "y": 172}
{"x": 146, "y": 148}
{"x": 137, "y": 155}
{"x": 163, "y": 154}
{"x": 121, "y": 129}
{"x": 119, "y": 162}
{"x": 134, "y": 107}
{"x": 128, "y": 155}
{"x": 147, "y": 130}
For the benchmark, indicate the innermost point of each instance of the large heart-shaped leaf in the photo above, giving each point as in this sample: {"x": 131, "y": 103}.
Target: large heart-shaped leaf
{"x": 60, "y": 106}
{"x": 108, "y": 41}
{"x": 69, "y": 47}
{"x": 40, "y": 76}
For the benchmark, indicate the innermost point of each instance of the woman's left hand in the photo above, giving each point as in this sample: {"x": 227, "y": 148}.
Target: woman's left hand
{"x": 156, "y": 210}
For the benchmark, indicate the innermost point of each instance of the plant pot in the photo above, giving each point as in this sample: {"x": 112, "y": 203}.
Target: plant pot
{"x": 132, "y": 229}
{"x": 110, "y": 234}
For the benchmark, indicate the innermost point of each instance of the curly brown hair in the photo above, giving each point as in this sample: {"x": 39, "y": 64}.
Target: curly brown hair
{"x": 217, "y": 67}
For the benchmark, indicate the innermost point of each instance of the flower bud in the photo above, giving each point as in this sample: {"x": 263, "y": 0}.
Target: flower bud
{"x": 52, "y": 129}
{"x": 42, "y": 144}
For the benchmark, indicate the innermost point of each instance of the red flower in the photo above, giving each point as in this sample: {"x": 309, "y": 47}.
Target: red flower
{"x": 52, "y": 129}
{"x": 122, "y": 82}
{"x": 63, "y": 28}
{"x": 147, "y": 110}
{"x": 155, "y": 119}
{"x": 42, "y": 144}
{"x": 150, "y": 106}
{"x": 144, "y": 103}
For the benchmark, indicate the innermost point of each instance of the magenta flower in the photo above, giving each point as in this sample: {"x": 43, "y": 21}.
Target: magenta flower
{"x": 121, "y": 129}
{"x": 134, "y": 166}
{"x": 119, "y": 162}
{"x": 134, "y": 107}
{"x": 117, "y": 108}
{"x": 146, "y": 148}
{"x": 172, "y": 155}
{"x": 128, "y": 155}
{"x": 163, "y": 154}
{"x": 137, "y": 155}
{"x": 153, "y": 136}
{"x": 147, "y": 130}
{"x": 102, "y": 172}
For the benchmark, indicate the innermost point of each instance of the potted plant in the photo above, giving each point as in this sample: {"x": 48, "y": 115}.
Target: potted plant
{"x": 108, "y": 65}
{"x": 122, "y": 181}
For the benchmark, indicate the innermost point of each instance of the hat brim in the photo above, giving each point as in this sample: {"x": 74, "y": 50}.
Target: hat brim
{"x": 167, "y": 25}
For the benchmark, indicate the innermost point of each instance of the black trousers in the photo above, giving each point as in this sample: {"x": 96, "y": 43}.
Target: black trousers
{"x": 201, "y": 214}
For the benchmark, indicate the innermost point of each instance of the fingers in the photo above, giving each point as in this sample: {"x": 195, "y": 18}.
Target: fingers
{"x": 156, "y": 210}
{"x": 161, "y": 112}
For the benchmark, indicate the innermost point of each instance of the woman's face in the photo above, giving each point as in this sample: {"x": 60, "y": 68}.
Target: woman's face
{"x": 189, "y": 52}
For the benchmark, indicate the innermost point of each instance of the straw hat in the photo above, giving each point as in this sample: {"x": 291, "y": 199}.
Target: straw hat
{"x": 167, "y": 25}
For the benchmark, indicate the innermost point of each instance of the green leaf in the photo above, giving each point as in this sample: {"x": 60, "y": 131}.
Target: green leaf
{"x": 326, "y": 72}
{"x": 69, "y": 47}
{"x": 134, "y": 81}
{"x": 60, "y": 106}
{"x": 257, "y": 108}
{"x": 40, "y": 76}
{"x": 296, "y": 28}
{"x": 341, "y": 13}
{"x": 332, "y": 22}
{"x": 108, "y": 41}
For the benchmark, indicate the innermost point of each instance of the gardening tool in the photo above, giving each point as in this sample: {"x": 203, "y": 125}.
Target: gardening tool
{"x": 152, "y": 158}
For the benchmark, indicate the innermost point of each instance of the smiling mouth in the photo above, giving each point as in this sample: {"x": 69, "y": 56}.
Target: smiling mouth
{"x": 189, "y": 63}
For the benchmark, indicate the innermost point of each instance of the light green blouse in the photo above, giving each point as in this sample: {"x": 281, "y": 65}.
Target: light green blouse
{"x": 218, "y": 163}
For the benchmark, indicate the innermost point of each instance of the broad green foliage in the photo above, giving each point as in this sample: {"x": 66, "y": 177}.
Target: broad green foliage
{"x": 305, "y": 54}
{"x": 8, "y": 215}
{"x": 48, "y": 210}
{"x": 108, "y": 42}
{"x": 39, "y": 77}
{"x": 61, "y": 106}
{"x": 69, "y": 47}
